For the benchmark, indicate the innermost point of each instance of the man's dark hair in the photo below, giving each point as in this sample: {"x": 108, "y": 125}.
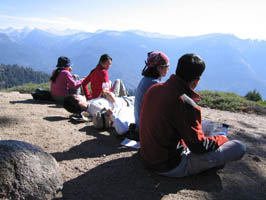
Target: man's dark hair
{"x": 104, "y": 58}
{"x": 190, "y": 67}
{"x": 71, "y": 104}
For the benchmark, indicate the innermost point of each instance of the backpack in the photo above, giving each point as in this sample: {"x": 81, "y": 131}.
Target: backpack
{"x": 41, "y": 94}
{"x": 101, "y": 120}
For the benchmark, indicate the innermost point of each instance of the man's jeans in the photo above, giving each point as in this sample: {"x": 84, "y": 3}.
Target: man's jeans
{"x": 195, "y": 163}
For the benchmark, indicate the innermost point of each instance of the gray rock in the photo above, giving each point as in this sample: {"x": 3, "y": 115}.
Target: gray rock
{"x": 27, "y": 172}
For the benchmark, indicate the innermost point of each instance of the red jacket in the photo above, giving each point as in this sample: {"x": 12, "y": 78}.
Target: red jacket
{"x": 169, "y": 117}
{"x": 97, "y": 77}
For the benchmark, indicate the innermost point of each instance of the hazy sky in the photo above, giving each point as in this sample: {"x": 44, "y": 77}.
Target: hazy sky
{"x": 243, "y": 18}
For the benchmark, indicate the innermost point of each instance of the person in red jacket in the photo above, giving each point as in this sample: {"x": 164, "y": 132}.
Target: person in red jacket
{"x": 172, "y": 142}
{"x": 99, "y": 81}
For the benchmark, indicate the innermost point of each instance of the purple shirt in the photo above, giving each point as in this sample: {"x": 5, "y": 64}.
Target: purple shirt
{"x": 63, "y": 83}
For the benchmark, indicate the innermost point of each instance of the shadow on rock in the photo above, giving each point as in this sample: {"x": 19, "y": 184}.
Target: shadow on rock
{"x": 55, "y": 118}
{"x": 7, "y": 121}
{"x": 32, "y": 101}
{"x": 125, "y": 178}
{"x": 247, "y": 125}
{"x": 52, "y": 104}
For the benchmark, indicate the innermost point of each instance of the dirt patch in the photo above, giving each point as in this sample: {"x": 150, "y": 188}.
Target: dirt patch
{"x": 95, "y": 166}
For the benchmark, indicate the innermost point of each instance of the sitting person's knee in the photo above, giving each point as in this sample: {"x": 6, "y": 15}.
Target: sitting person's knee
{"x": 241, "y": 147}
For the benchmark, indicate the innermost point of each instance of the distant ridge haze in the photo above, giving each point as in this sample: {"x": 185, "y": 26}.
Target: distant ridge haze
{"x": 233, "y": 64}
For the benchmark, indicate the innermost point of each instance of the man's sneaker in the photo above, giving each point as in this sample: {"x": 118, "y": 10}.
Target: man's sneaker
{"x": 133, "y": 132}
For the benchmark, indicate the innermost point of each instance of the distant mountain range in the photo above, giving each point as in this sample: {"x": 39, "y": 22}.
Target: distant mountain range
{"x": 233, "y": 64}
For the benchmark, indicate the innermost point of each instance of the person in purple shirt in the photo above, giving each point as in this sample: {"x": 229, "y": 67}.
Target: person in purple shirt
{"x": 62, "y": 81}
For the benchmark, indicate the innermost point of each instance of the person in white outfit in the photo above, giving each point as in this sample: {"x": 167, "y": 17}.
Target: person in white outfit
{"x": 117, "y": 112}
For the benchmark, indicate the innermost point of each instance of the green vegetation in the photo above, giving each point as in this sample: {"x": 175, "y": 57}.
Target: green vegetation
{"x": 13, "y": 75}
{"x": 28, "y": 87}
{"x": 231, "y": 102}
{"x": 222, "y": 100}
{"x": 262, "y": 103}
{"x": 253, "y": 96}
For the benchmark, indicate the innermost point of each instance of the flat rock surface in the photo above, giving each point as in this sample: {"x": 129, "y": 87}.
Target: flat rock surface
{"x": 95, "y": 166}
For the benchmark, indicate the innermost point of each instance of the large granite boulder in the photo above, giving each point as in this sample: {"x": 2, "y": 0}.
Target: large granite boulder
{"x": 27, "y": 172}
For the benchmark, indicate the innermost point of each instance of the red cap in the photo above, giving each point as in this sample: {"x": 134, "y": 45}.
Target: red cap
{"x": 156, "y": 58}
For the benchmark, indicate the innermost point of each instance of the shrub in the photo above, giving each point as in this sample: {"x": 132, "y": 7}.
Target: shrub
{"x": 262, "y": 103}
{"x": 253, "y": 96}
{"x": 28, "y": 88}
{"x": 228, "y": 101}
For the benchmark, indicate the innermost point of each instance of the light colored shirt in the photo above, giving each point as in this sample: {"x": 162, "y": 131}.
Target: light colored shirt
{"x": 144, "y": 84}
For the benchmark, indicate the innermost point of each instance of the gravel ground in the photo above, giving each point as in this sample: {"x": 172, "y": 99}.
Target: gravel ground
{"x": 95, "y": 166}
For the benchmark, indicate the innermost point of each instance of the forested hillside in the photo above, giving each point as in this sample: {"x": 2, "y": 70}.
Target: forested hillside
{"x": 12, "y": 75}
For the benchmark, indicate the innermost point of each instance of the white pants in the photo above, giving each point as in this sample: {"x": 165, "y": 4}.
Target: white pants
{"x": 195, "y": 163}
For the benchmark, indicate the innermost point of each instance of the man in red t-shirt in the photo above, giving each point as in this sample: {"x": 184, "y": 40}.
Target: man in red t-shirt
{"x": 172, "y": 142}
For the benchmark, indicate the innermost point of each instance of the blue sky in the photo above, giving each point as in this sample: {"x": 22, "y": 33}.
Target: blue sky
{"x": 243, "y": 18}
